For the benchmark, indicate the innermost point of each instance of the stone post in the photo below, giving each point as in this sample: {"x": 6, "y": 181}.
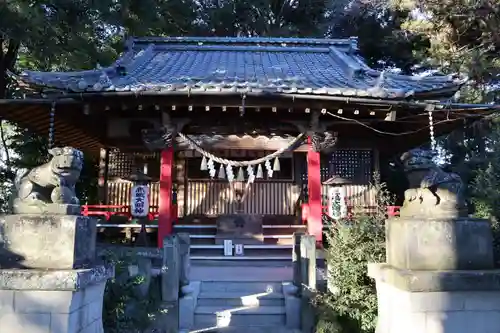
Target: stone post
{"x": 308, "y": 278}
{"x": 439, "y": 276}
{"x": 297, "y": 269}
{"x": 185, "y": 252}
{"x": 170, "y": 282}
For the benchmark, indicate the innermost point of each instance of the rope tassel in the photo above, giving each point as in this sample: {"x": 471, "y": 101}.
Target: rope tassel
{"x": 222, "y": 173}
{"x": 276, "y": 166}
{"x": 229, "y": 173}
{"x": 204, "y": 166}
{"x": 241, "y": 175}
{"x": 260, "y": 173}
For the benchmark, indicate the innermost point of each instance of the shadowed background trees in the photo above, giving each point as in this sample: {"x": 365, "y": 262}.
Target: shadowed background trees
{"x": 404, "y": 35}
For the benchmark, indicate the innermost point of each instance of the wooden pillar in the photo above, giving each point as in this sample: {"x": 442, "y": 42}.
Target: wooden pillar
{"x": 165, "y": 226}
{"x": 314, "y": 222}
{"x": 103, "y": 176}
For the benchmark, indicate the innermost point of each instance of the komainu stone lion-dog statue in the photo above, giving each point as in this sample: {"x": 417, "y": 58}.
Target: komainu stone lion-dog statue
{"x": 432, "y": 192}
{"x": 50, "y": 188}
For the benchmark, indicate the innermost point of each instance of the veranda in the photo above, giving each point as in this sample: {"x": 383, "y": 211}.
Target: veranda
{"x": 314, "y": 101}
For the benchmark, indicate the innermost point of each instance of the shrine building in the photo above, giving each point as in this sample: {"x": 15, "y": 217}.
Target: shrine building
{"x": 237, "y": 128}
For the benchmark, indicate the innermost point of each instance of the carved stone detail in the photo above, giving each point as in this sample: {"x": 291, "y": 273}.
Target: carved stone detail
{"x": 324, "y": 142}
{"x": 163, "y": 136}
{"x": 159, "y": 138}
{"x": 433, "y": 192}
{"x": 321, "y": 139}
{"x": 50, "y": 185}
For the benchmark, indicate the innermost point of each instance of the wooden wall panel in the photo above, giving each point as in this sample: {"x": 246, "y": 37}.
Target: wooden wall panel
{"x": 214, "y": 198}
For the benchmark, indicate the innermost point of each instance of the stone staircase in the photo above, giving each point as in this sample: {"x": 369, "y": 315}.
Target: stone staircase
{"x": 243, "y": 307}
{"x": 277, "y": 244}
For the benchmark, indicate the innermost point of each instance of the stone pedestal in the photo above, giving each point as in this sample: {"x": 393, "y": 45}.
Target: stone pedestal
{"x": 436, "y": 302}
{"x": 439, "y": 277}
{"x": 47, "y": 241}
{"x": 439, "y": 244}
{"x": 52, "y": 301}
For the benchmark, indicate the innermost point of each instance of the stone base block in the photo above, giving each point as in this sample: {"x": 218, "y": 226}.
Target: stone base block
{"x": 292, "y": 306}
{"x": 187, "y": 305}
{"x": 47, "y": 241}
{"x": 439, "y": 244}
{"x": 35, "y": 301}
{"x": 436, "y": 302}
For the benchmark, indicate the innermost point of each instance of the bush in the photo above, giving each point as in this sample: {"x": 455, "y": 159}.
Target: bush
{"x": 126, "y": 309}
{"x": 486, "y": 194}
{"x": 351, "y": 303}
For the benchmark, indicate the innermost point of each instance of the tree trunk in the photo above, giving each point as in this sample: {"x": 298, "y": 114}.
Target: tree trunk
{"x": 8, "y": 56}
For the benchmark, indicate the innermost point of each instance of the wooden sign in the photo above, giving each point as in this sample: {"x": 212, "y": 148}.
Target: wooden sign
{"x": 228, "y": 247}
{"x": 139, "y": 202}
{"x": 238, "y": 250}
{"x": 337, "y": 205}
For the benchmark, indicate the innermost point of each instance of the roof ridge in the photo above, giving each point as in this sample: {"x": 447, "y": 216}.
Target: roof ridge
{"x": 350, "y": 41}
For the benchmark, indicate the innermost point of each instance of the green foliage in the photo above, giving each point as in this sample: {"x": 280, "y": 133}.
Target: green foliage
{"x": 351, "y": 304}
{"x": 125, "y": 308}
{"x": 485, "y": 190}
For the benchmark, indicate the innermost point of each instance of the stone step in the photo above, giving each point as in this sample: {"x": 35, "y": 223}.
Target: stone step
{"x": 213, "y": 316}
{"x": 249, "y": 329}
{"x": 206, "y": 239}
{"x": 240, "y": 298}
{"x": 250, "y": 287}
{"x": 281, "y": 251}
{"x": 275, "y": 259}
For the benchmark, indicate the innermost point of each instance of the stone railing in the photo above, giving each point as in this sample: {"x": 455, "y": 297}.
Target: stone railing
{"x": 178, "y": 295}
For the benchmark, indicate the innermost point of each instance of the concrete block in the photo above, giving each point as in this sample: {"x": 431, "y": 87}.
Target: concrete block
{"x": 436, "y": 311}
{"x": 482, "y": 301}
{"x": 94, "y": 311}
{"x": 6, "y": 299}
{"x": 187, "y": 305}
{"x": 292, "y": 309}
{"x": 46, "y": 301}
{"x": 435, "y": 301}
{"x": 25, "y": 323}
{"x": 94, "y": 293}
{"x": 47, "y": 241}
{"x": 446, "y": 321}
{"x": 66, "y": 323}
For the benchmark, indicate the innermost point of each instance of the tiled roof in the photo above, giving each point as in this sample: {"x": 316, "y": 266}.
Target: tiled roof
{"x": 239, "y": 65}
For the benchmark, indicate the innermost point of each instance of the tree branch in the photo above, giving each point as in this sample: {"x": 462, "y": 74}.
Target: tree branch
{"x": 11, "y": 54}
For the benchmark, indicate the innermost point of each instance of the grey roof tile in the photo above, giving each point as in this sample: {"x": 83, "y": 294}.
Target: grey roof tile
{"x": 272, "y": 65}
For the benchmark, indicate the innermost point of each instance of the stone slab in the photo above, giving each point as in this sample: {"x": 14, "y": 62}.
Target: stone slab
{"x": 39, "y": 279}
{"x": 54, "y": 311}
{"x": 49, "y": 208}
{"x": 439, "y": 244}
{"x": 240, "y": 228}
{"x": 436, "y": 281}
{"x": 47, "y": 241}
{"x": 436, "y": 311}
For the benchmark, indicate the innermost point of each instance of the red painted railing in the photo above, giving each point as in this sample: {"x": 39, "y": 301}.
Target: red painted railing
{"x": 391, "y": 211}
{"x": 107, "y": 211}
